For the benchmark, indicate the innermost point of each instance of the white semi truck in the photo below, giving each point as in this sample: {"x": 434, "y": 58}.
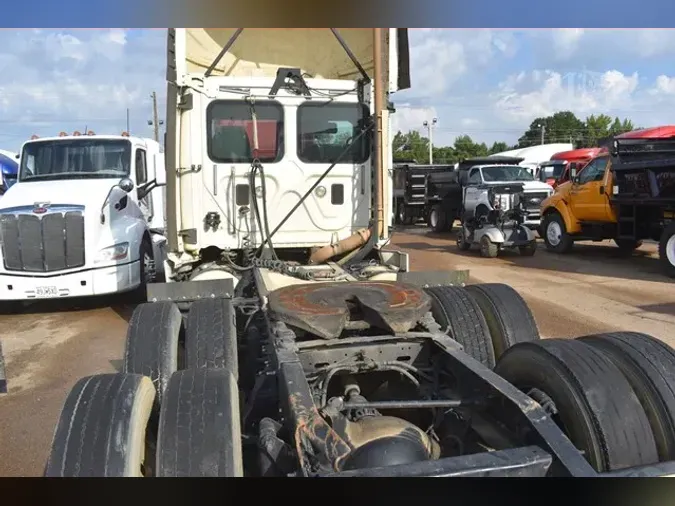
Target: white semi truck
{"x": 287, "y": 342}
{"x": 249, "y": 135}
{"x": 86, "y": 217}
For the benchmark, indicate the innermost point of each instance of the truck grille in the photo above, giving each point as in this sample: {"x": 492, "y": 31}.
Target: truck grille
{"x": 533, "y": 201}
{"x": 47, "y": 242}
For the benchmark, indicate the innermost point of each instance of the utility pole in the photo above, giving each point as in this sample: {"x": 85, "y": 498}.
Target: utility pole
{"x": 430, "y": 129}
{"x": 155, "y": 121}
{"x": 543, "y": 131}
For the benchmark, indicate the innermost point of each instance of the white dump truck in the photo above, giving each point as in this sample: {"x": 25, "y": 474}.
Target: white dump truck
{"x": 86, "y": 217}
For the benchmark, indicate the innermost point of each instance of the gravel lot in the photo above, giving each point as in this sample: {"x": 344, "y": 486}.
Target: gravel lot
{"x": 594, "y": 289}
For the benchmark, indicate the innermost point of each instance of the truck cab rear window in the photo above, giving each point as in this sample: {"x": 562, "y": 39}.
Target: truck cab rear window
{"x": 325, "y": 129}
{"x": 230, "y": 133}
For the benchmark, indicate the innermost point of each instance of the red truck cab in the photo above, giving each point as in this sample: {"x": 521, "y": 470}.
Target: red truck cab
{"x": 557, "y": 170}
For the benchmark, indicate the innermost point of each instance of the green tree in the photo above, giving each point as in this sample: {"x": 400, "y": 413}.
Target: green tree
{"x": 498, "y": 147}
{"x": 465, "y": 147}
{"x": 619, "y": 127}
{"x": 597, "y": 129}
{"x": 410, "y": 146}
{"x": 563, "y": 126}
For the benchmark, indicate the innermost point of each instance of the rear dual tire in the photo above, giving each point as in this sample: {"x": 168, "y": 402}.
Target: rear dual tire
{"x": 159, "y": 344}
{"x": 102, "y": 428}
{"x": 486, "y": 319}
{"x": 588, "y": 397}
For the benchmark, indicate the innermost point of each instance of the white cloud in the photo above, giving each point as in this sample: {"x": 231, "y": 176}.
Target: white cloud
{"x": 486, "y": 83}
{"x": 664, "y": 85}
{"x": 412, "y": 118}
{"x": 566, "y": 41}
{"x": 63, "y": 81}
{"x": 542, "y": 93}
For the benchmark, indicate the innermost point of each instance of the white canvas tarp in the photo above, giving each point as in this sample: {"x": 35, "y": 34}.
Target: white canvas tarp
{"x": 260, "y": 52}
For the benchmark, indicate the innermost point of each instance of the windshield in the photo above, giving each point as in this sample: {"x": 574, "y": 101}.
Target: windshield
{"x": 75, "y": 159}
{"x": 551, "y": 171}
{"x": 506, "y": 173}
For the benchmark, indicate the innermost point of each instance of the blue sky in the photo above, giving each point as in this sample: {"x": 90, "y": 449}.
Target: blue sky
{"x": 489, "y": 84}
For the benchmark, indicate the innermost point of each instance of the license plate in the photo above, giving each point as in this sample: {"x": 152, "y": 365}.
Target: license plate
{"x": 46, "y": 291}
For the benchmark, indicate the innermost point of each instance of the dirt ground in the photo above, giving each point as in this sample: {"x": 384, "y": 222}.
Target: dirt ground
{"x": 593, "y": 289}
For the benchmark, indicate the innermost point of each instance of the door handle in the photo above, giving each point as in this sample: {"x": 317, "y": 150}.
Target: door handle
{"x": 602, "y": 190}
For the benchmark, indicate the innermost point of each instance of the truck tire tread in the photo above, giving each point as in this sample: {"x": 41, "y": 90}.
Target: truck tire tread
{"x": 199, "y": 426}
{"x": 152, "y": 345}
{"x": 649, "y": 366}
{"x": 211, "y": 335}
{"x": 454, "y": 309}
{"x": 597, "y": 408}
{"x": 508, "y": 316}
{"x": 101, "y": 429}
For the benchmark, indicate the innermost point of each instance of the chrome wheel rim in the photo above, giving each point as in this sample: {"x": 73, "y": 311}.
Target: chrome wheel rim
{"x": 553, "y": 233}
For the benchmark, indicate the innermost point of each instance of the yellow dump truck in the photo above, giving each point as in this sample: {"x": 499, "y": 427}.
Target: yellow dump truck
{"x": 626, "y": 194}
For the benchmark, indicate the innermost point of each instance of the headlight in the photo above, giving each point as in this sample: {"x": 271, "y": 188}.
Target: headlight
{"x": 113, "y": 253}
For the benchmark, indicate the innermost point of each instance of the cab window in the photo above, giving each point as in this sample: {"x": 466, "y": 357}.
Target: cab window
{"x": 231, "y": 133}
{"x": 474, "y": 176}
{"x": 594, "y": 171}
{"x": 141, "y": 167}
{"x": 326, "y": 129}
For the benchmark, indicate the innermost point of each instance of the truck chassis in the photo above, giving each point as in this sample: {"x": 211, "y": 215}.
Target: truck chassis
{"x": 370, "y": 378}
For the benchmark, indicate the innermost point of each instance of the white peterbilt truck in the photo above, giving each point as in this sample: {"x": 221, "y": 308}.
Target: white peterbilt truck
{"x": 86, "y": 217}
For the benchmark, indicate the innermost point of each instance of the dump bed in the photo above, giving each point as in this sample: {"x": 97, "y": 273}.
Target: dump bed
{"x": 644, "y": 171}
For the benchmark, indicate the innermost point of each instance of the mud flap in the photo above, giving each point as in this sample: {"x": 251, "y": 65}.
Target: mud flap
{"x": 190, "y": 291}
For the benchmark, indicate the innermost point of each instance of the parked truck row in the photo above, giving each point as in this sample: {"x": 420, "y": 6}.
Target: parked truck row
{"x": 287, "y": 339}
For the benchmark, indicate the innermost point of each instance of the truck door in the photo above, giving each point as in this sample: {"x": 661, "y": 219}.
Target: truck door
{"x": 141, "y": 167}
{"x": 588, "y": 198}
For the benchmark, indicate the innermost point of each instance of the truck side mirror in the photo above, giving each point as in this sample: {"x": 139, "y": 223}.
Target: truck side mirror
{"x": 146, "y": 188}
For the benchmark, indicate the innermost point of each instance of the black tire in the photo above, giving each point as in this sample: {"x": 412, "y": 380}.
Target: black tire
{"x": 666, "y": 245}
{"x": 462, "y": 243}
{"x": 154, "y": 336}
{"x": 627, "y": 246}
{"x": 211, "y": 335}
{"x": 565, "y": 241}
{"x": 529, "y": 249}
{"x": 199, "y": 426}
{"x": 399, "y": 219}
{"x": 507, "y": 314}
{"x": 649, "y": 366}
{"x": 437, "y": 219}
{"x": 595, "y": 405}
{"x": 488, "y": 249}
{"x": 101, "y": 430}
{"x": 148, "y": 272}
{"x": 454, "y": 309}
